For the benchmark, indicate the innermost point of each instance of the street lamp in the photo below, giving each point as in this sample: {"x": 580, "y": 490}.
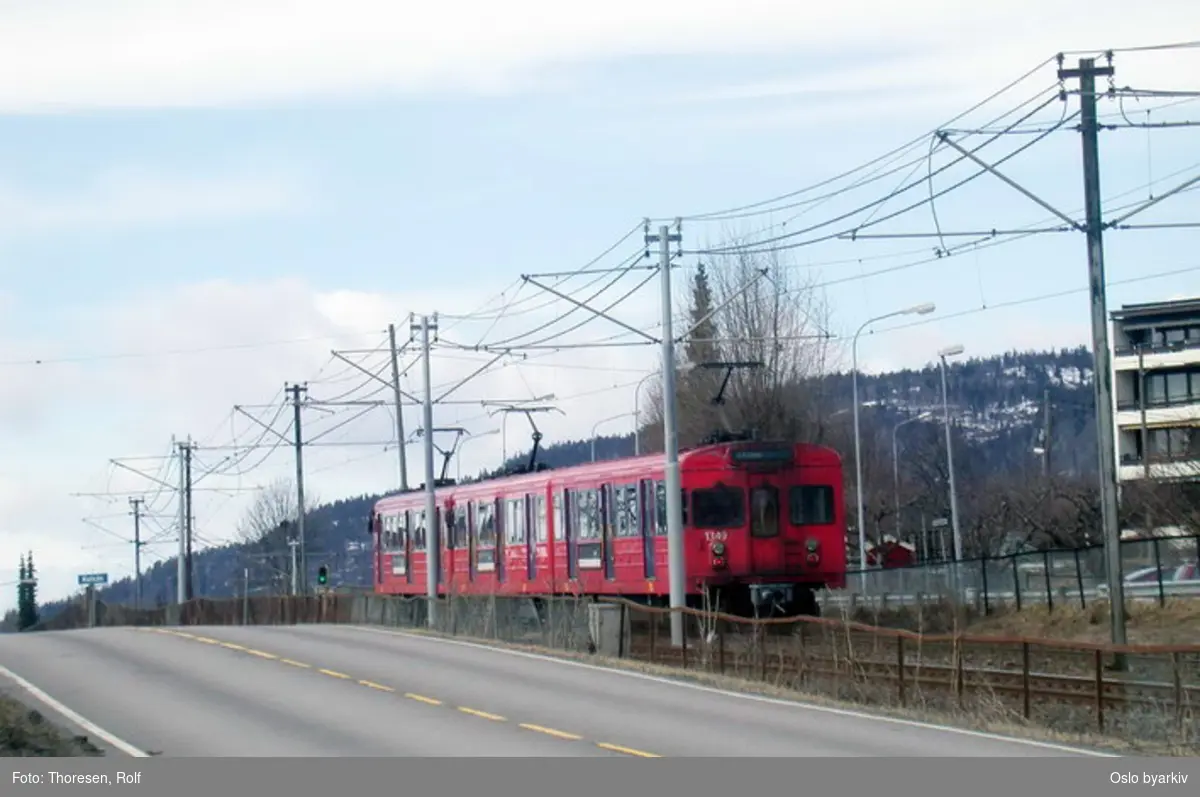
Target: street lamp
{"x": 637, "y": 415}
{"x": 896, "y": 464}
{"x": 951, "y": 351}
{"x": 920, "y": 309}
{"x": 605, "y": 420}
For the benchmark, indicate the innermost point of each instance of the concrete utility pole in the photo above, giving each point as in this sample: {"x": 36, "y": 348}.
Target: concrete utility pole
{"x": 1087, "y": 72}
{"x": 186, "y": 570}
{"x": 136, "y": 503}
{"x": 181, "y": 559}
{"x": 672, "y": 482}
{"x": 433, "y": 530}
{"x": 292, "y": 544}
{"x": 296, "y": 390}
{"x": 399, "y": 408}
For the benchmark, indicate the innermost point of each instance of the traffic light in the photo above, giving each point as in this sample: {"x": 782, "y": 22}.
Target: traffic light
{"x": 323, "y": 575}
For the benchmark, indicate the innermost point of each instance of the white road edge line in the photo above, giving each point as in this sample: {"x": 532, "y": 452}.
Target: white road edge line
{"x": 84, "y": 723}
{"x": 795, "y": 704}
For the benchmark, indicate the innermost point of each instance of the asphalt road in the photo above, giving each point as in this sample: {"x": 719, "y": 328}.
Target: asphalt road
{"x": 359, "y": 691}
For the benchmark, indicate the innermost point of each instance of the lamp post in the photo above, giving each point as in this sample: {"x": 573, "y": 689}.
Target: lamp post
{"x": 896, "y": 465}
{"x": 951, "y": 351}
{"x": 637, "y": 414}
{"x": 920, "y": 309}
{"x": 596, "y": 425}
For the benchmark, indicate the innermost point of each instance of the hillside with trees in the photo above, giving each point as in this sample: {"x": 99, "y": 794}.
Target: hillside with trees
{"x": 1022, "y": 423}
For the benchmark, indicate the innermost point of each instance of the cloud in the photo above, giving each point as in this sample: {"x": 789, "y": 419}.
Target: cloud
{"x": 74, "y": 54}
{"x": 186, "y": 354}
{"x": 129, "y": 198}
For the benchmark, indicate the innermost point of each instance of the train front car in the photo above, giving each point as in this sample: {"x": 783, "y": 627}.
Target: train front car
{"x": 766, "y": 526}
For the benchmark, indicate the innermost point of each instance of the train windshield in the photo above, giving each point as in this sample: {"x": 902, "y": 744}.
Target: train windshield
{"x": 811, "y": 505}
{"x": 718, "y": 507}
{"x": 764, "y": 511}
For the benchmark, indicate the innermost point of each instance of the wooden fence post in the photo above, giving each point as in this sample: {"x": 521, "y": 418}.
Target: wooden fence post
{"x": 900, "y": 668}
{"x": 721, "y": 645}
{"x": 1025, "y": 678}
{"x": 1099, "y": 689}
{"x": 654, "y": 634}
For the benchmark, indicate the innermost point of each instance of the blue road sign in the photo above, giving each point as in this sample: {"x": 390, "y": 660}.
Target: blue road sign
{"x": 93, "y": 578}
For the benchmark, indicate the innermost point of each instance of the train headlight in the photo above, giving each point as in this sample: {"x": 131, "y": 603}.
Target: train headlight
{"x": 718, "y": 549}
{"x": 812, "y": 545}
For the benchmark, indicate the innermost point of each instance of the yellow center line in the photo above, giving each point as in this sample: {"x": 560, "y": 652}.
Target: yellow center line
{"x": 616, "y": 748}
{"x": 550, "y": 731}
{"x": 231, "y": 646}
{"x": 261, "y": 654}
{"x": 422, "y": 699}
{"x": 296, "y": 663}
{"x": 380, "y": 687}
{"x": 485, "y": 715}
{"x": 334, "y": 674}
{"x": 208, "y": 640}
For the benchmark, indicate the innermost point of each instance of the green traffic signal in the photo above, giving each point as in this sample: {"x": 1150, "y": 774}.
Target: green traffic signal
{"x": 323, "y": 575}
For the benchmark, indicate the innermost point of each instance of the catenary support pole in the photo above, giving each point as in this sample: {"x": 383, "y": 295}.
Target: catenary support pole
{"x": 181, "y": 560}
{"x": 296, "y": 390}
{"x": 1087, "y": 72}
{"x": 399, "y": 409}
{"x": 676, "y": 559}
{"x": 433, "y": 547}
{"x": 136, "y": 503}
{"x": 188, "y": 519}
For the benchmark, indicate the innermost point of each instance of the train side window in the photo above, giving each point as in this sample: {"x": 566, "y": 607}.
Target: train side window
{"x": 560, "y": 516}
{"x": 811, "y": 505}
{"x": 485, "y": 524}
{"x": 418, "y": 527}
{"x": 514, "y": 522}
{"x": 719, "y": 507}
{"x": 586, "y": 512}
{"x": 660, "y": 507}
{"x": 461, "y": 536}
{"x": 764, "y": 511}
{"x": 627, "y": 511}
{"x": 539, "y": 518}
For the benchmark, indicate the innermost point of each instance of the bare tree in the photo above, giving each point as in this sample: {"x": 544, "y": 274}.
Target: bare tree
{"x": 267, "y": 527}
{"x": 739, "y": 314}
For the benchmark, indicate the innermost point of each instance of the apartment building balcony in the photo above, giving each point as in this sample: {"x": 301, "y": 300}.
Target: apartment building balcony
{"x": 1154, "y": 357}
{"x": 1180, "y": 412}
{"x": 1168, "y": 467}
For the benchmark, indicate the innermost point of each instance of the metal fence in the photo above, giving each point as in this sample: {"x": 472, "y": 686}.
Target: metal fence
{"x": 1055, "y": 578}
{"x": 1053, "y": 684}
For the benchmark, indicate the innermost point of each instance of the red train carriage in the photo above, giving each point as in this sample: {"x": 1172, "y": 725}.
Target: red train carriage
{"x": 764, "y": 527}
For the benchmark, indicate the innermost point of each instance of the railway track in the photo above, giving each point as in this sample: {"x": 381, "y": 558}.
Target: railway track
{"x": 900, "y": 675}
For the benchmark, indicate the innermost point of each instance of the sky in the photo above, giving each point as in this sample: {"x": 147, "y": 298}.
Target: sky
{"x": 199, "y": 202}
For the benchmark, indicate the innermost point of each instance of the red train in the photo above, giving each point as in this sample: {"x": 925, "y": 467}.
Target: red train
{"x": 764, "y": 528}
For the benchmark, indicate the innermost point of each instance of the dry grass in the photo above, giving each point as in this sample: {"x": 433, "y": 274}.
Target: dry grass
{"x": 25, "y": 733}
{"x": 1176, "y": 623}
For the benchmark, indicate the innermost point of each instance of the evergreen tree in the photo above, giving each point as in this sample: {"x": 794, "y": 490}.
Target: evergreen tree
{"x": 700, "y": 346}
{"x": 27, "y": 613}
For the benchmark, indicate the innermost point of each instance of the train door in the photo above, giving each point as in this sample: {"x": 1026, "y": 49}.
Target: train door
{"x": 502, "y": 525}
{"x": 767, "y": 553}
{"x": 647, "y": 522}
{"x": 608, "y": 519}
{"x": 534, "y": 526}
{"x": 405, "y": 521}
{"x": 569, "y": 515}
